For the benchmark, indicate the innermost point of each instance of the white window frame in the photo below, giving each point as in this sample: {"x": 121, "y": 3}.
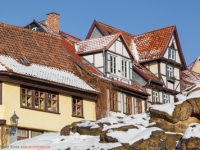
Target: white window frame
{"x": 166, "y": 98}
{"x": 124, "y": 67}
{"x": 172, "y": 54}
{"x": 170, "y": 71}
{"x": 155, "y": 96}
{"x": 113, "y": 64}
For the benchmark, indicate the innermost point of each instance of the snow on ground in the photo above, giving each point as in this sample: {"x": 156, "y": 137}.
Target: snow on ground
{"x": 133, "y": 135}
{"x": 53, "y": 141}
{"x": 75, "y": 141}
{"x": 193, "y": 130}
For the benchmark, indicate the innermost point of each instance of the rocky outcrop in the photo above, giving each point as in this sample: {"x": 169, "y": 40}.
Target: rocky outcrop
{"x": 181, "y": 112}
{"x": 178, "y": 128}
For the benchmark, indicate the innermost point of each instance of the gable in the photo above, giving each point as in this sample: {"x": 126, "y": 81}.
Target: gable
{"x": 34, "y": 26}
{"x": 95, "y": 33}
{"x": 119, "y": 47}
{"x": 172, "y": 46}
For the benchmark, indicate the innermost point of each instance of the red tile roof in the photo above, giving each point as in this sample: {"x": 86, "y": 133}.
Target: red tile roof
{"x": 190, "y": 77}
{"x": 100, "y": 43}
{"x": 146, "y": 73}
{"x": 149, "y": 45}
{"x": 109, "y": 29}
{"x": 68, "y": 42}
{"x": 133, "y": 86}
{"x": 152, "y": 44}
{"x": 37, "y": 47}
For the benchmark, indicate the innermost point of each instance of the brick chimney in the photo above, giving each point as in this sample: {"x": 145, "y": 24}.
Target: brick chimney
{"x": 53, "y": 21}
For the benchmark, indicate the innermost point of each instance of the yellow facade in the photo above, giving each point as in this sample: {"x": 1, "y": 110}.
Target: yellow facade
{"x": 39, "y": 120}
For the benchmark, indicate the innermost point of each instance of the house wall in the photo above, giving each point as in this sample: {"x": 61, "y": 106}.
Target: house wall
{"x": 153, "y": 67}
{"x": 196, "y": 67}
{"x": 39, "y": 120}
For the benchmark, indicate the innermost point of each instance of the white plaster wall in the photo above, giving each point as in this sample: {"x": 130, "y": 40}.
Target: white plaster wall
{"x": 171, "y": 98}
{"x": 143, "y": 107}
{"x": 154, "y": 67}
{"x": 164, "y": 79}
{"x": 161, "y": 97}
{"x": 178, "y": 60}
{"x": 166, "y": 54}
{"x": 98, "y": 60}
{"x": 89, "y": 58}
{"x": 163, "y": 68}
{"x": 177, "y": 73}
{"x": 125, "y": 52}
{"x": 112, "y": 47}
{"x": 119, "y": 47}
{"x": 170, "y": 85}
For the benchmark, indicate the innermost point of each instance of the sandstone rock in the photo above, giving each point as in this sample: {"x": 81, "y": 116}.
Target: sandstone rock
{"x": 65, "y": 130}
{"x": 181, "y": 112}
{"x": 195, "y": 102}
{"x": 192, "y": 143}
{"x": 172, "y": 139}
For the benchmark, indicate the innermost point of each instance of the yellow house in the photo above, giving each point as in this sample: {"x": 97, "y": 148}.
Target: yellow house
{"x": 38, "y": 82}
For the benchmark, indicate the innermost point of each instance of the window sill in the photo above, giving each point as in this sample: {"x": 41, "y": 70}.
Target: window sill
{"x": 78, "y": 116}
{"x": 170, "y": 80}
{"x": 40, "y": 110}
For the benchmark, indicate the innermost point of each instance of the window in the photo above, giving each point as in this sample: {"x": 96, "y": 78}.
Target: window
{"x": 155, "y": 96}
{"x": 124, "y": 68}
{"x": 165, "y": 98}
{"x": 22, "y": 134}
{"x": 36, "y": 133}
{"x": 113, "y": 101}
{"x": 172, "y": 54}
{"x": 138, "y": 106}
{"x": 52, "y": 102}
{"x": 127, "y": 105}
{"x": 77, "y": 107}
{"x": 39, "y": 100}
{"x": 112, "y": 64}
{"x": 26, "y": 97}
{"x": 170, "y": 71}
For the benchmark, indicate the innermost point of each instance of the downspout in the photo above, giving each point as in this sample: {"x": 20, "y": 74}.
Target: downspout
{"x": 104, "y": 63}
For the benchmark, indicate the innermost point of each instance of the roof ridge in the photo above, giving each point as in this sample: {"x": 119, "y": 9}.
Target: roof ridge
{"x": 116, "y": 28}
{"x": 28, "y": 30}
{"x": 70, "y": 35}
{"x": 98, "y": 37}
{"x": 154, "y": 30}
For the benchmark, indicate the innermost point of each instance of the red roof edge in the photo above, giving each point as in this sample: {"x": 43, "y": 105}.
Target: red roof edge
{"x": 179, "y": 47}
{"x": 95, "y": 23}
{"x": 180, "y": 50}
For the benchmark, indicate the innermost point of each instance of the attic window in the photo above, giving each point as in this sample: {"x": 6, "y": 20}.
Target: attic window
{"x": 172, "y": 46}
{"x": 24, "y": 61}
{"x": 35, "y": 28}
{"x": 110, "y": 33}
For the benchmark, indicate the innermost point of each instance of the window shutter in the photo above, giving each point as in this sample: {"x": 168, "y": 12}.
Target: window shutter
{"x": 131, "y": 71}
{"x": 119, "y": 105}
{"x": 124, "y": 103}
{"x": 107, "y": 62}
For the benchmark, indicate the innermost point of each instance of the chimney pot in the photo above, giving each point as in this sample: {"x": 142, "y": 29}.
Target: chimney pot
{"x": 53, "y": 21}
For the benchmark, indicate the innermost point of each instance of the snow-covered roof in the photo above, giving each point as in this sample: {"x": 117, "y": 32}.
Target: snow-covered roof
{"x": 99, "y": 43}
{"x": 43, "y": 72}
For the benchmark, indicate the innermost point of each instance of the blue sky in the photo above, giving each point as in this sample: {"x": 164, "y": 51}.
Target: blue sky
{"x": 134, "y": 16}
